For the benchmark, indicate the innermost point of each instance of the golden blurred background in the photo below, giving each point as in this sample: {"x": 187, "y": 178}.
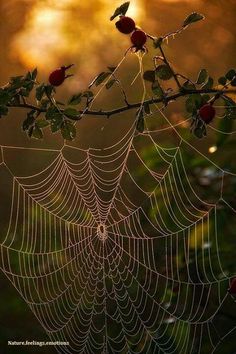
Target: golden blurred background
{"x": 50, "y": 33}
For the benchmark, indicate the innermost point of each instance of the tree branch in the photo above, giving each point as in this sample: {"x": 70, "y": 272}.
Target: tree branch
{"x": 118, "y": 110}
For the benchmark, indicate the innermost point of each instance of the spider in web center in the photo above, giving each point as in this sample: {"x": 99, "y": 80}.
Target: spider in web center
{"x": 102, "y": 232}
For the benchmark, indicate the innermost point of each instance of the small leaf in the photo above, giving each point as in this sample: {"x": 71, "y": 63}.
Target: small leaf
{"x": 37, "y": 133}
{"x": 209, "y": 84}
{"x": 75, "y": 99}
{"x": 68, "y": 130}
{"x": 230, "y": 74}
{"x": 56, "y": 125}
{"x": 149, "y": 75}
{"x": 110, "y": 83}
{"x": 200, "y": 132}
{"x": 157, "y": 90}
{"x": 88, "y": 94}
{"x": 29, "y": 121}
{"x": 222, "y": 80}
{"x": 42, "y": 123}
{"x": 4, "y": 97}
{"x": 189, "y": 86}
{"x": 193, "y": 17}
{"x": 71, "y": 112}
{"x": 34, "y": 74}
{"x": 140, "y": 120}
{"x": 120, "y": 10}
{"x": 164, "y": 72}
{"x": 40, "y": 91}
{"x": 146, "y": 107}
{"x": 98, "y": 80}
{"x": 202, "y": 76}
{"x": 49, "y": 89}
{"x": 190, "y": 105}
{"x": 230, "y": 108}
{"x": 52, "y": 113}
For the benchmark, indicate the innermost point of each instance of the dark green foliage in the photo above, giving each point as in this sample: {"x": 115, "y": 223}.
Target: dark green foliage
{"x": 202, "y": 76}
{"x": 140, "y": 120}
{"x": 121, "y": 10}
{"x": 194, "y": 17}
{"x": 149, "y": 75}
{"x": 164, "y": 72}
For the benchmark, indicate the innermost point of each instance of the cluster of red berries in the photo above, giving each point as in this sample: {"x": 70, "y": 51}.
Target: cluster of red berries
{"x": 58, "y": 76}
{"x": 138, "y": 37}
{"x": 207, "y": 113}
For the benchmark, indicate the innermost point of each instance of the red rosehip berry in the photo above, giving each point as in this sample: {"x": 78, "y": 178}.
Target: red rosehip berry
{"x": 207, "y": 113}
{"x": 232, "y": 288}
{"x": 125, "y": 25}
{"x": 58, "y": 76}
{"x": 138, "y": 38}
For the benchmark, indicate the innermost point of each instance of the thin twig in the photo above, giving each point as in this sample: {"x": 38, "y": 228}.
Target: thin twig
{"x": 118, "y": 110}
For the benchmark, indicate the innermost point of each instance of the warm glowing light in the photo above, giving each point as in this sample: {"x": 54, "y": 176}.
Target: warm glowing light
{"x": 47, "y": 17}
{"x": 56, "y": 31}
{"x": 212, "y": 149}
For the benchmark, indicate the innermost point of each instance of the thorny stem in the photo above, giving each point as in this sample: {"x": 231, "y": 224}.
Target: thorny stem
{"x": 118, "y": 110}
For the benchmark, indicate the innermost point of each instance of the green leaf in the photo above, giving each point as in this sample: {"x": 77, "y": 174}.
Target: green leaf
{"x": 98, "y": 80}
{"x": 34, "y": 74}
{"x": 230, "y": 74}
{"x": 52, "y": 113}
{"x": 49, "y": 89}
{"x": 37, "y": 133}
{"x": 149, "y": 75}
{"x": 200, "y": 132}
{"x": 209, "y": 84}
{"x": 71, "y": 112}
{"x": 202, "y": 76}
{"x": 68, "y": 130}
{"x": 164, "y": 72}
{"x": 29, "y": 121}
{"x": 110, "y": 83}
{"x": 120, "y": 10}
{"x": 146, "y": 107}
{"x": 40, "y": 91}
{"x": 189, "y": 86}
{"x": 56, "y": 125}
{"x": 16, "y": 82}
{"x": 75, "y": 99}
{"x": 88, "y": 94}
{"x": 193, "y": 103}
{"x": 140, "y": 120}
{"x": 4, "y": 97}
{"x": 230, "y": 108}
{"x": 190, "y": 105}
{"x": 193, "y": 17}
{"x": 42, "y": 123}
{"x": 157, "y": 90}
{"x": 222, "y": 80}
{"x": 226, "y": 126}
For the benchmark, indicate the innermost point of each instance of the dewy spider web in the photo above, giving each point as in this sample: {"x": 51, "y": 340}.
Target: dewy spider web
{"x": 95, "y": 237}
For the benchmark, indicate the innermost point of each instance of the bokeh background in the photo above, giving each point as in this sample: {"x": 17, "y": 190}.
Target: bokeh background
{"x": 50, "y": 33}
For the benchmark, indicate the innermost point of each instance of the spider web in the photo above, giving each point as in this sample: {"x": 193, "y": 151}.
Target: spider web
{"x": 115, "y": 250}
